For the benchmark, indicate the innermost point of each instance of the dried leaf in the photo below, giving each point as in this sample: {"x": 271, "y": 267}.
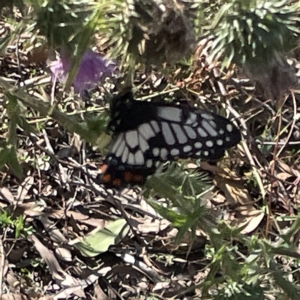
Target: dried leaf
{"x": 99, "y": 241}
{"x": 24, "y": 188}
{"x": 148, "y": 225}
{"x": 63, "y": 253}
{"x": 6, "y": 195}
{"x": 13, "y": 297}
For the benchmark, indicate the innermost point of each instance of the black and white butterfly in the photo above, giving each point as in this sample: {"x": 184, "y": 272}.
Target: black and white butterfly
{"x": 147, "y": 133}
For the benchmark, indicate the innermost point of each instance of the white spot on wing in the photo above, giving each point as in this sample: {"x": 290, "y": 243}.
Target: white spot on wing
{"x": 121, "y": 148}
{"x": 155, "y": 126}
{"x": 143, "y": 144}
{"x": 146, "y": 131}
{"x": 125, "y": 155}
{"x": 207, "y": 116}
{"x": 187, "y": 148}
{"x": 209, "y": 143}
{"x": 117, "y": 143}
{"x": 168, "y": 135}
{"x": 211, "y": 131}
{"x": 190, "y": 132}
{"x": 229, "y": 127}
{"x": 155, "y": 151}
{"x": 219, "y": 142}
{"x": 198, "y": 145}
{"x": 139, "y": 158}
{"x": 227, "y": 139}
{"x": 191, "y": 119}
{"x": 201, "y": 132}
{"x": 130, "y": 159}
{"x": 181, "y": 136}
{"x": 132, "y": 138}
{"x": 163, "y": 153}
{"x": 206, "y": 153}
{"x": 149, "y": 163}
{"x": 174, "y": 152}
{"x": 169, "y": 113}
{"x": 212, "y": 124}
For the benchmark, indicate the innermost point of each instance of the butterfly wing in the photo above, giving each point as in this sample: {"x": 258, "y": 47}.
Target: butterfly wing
{"x": 147, "y": 133}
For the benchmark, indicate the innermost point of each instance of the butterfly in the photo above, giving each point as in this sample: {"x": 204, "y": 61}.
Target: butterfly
{"x": 148, "y": 133}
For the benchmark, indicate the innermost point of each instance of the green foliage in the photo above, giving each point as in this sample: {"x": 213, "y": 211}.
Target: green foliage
{"x": 9, "y": 4}
{"x": 8, "y": 155}
{"x": 239, "y": 265}
{"x": 62, "y": 21}
{"x": 254, "y": 31}
{"x": 15, "y": 223}
{"x": 73, "y": 123}
{"x": 234, "y": 275}
{"x": 105, "y": 17}
{"x": 150, "y": 32}
{"x": 185, "y": 190}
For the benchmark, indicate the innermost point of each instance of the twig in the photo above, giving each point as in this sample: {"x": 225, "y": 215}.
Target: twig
{"x": 247, "y": 151}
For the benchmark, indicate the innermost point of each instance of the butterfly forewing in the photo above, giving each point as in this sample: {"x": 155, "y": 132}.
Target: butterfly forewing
{"x": 147, "y": 133}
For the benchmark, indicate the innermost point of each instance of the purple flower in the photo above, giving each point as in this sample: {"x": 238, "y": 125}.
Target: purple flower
{"x": 92, "y": 70}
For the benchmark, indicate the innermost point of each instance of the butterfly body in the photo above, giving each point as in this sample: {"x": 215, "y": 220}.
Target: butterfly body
{"x": 147, "y": 133}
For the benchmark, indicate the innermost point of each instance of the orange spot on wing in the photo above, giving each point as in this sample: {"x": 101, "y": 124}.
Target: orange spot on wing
{"x": 138, "y": 178}
{"x": 107, "y": 178}
{"x": 117, "y": 182}
{"x": 103, "y": 168}
{"x": 128, "y": 176}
